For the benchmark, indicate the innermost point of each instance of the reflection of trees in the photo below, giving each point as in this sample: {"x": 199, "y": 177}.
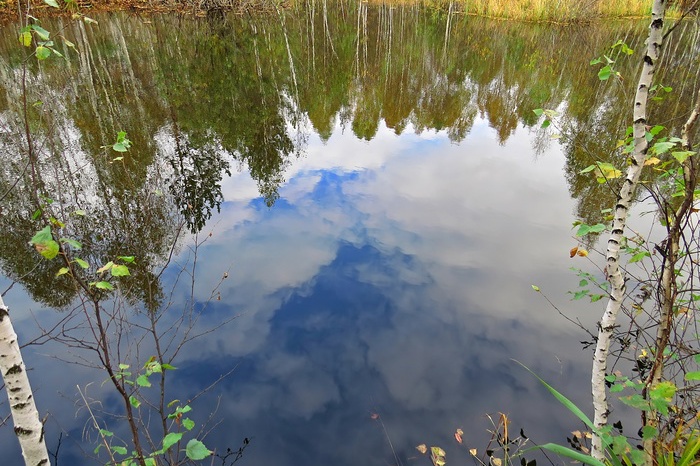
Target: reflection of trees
{"x": 196, "y": 95}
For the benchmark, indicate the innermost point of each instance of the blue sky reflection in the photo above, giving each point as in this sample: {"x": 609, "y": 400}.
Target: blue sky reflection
{"x": 393, "y": 277}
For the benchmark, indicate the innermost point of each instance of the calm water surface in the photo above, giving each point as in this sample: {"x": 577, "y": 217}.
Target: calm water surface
{"x": 375, "y": 189}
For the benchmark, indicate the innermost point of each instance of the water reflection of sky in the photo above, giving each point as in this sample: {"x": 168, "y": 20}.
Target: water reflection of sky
{"x": 390, "y": 277}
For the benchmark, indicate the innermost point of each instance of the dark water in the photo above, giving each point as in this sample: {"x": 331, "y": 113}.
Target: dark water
{"x": 374, "y": 187}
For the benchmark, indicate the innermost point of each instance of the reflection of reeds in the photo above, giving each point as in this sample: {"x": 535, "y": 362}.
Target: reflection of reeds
{"x": 559, "y": 11}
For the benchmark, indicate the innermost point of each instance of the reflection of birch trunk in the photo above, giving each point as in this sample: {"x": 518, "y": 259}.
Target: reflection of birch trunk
{"x": 448, "y": 25}
{"x": 85, "y": 60}
{"x": 389, "y": 45}
{"x": 28, "y": 427}
{"x": 327, "y": 29}
{"x": 289, "y": 54}
{"x": 258, "y": 66}
{"x": 313, "y": 35}
{"x": 357, "y": 48}
{"x": 625, "y": 198}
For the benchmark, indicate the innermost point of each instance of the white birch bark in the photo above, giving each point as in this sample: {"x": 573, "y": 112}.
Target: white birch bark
{"x": 624, "y": 201}
{"x": 28, "y": 427}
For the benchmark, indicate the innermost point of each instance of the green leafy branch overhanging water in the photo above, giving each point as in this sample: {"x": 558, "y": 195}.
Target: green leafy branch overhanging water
{"x": 674, "y": 192}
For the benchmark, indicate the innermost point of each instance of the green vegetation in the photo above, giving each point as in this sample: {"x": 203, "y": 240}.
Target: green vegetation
{"x": 556, "y": 11}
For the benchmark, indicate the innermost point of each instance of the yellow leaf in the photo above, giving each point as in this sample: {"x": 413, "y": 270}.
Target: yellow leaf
{"x": 25, "y": 38}
{"x": 651, "y": 161}
{"x": 582, "y": 253}
{"x": 437, "y": 451}
{"x": 422, "y": 448}
{"x": 496, "y": 461}
{"x": 573, "y": 251}
{"x": 472, "y": 451}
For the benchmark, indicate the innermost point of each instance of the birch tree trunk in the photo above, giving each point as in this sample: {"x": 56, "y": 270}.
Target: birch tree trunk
{"x": 28, "y": 427}
{"x": 624, "y": 201}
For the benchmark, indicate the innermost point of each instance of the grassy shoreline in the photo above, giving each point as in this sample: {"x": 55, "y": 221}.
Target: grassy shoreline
{"x": 544, "y": 11}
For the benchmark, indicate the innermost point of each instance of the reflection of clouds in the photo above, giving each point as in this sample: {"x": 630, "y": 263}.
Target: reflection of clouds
{"x": 392, "y": 276}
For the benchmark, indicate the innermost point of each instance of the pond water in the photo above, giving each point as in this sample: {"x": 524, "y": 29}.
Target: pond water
{"x": 359, "y": 198}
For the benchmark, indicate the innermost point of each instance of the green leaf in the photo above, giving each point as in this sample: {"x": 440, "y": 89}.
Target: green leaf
{"x": 656, "y": 130}
{"x": 68, "y": 43}
{"x": 106, "y": 433}
{"x": 119, "y": 147}
{"x": 538, "y": 111}
{"x": 120, "y": 271}
{"x": 639, "y": 256}
{"x": 42, "y": 236}
{"x": 188, "y": 423}
{"x": 589, "y": 168}
{"x": 171, "y": 439}
{"x": 649, "y": 432}
{"x": 105, "y": 267}
{"x": 167, "y": 366}
{"x": 681, "y": 156}
{"x": 41, "y": 32}
{"x": 636, "y": 401}
{"x": 80, "y": 212}
{"x": 546, "y": 123}
{"x": 664, "y": 390}
{"x": 72, "y": 243}
{"x": 196, "y": 450}
{"x": 52, "y": 3}
{"x": 62, "y": 271}
{"x": 662, "y": 147}
{"x": 134, "y": 401}
{"x": 620, "y": 445}
{"x": 44, "y": 244}
{"x": 692, "y": 376}
{"x": 119, "y": 450}
{"x": 127, "y": 259}
{"x": 42, "y": 53}
{"x": 56, "y": 52}
{"x": 583, "y": 230}
{"x": 536, "y": 288}
{"x": 184, "y": 409}
{"x": 102, "y": 285}
{"x": 143, "y": 381}
{"x": 81, "y": 263}
{"x": 573, "y": 454}
{"x": 123, "y": 367}
{"x": 605, "y": 73}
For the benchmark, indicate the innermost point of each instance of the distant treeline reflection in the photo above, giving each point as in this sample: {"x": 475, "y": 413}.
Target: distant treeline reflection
{"x": 199, "y": 97}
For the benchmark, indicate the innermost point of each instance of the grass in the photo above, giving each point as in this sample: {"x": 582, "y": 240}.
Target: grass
{"x": 554, "y": 11}
{"x": 551, "y": 11}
